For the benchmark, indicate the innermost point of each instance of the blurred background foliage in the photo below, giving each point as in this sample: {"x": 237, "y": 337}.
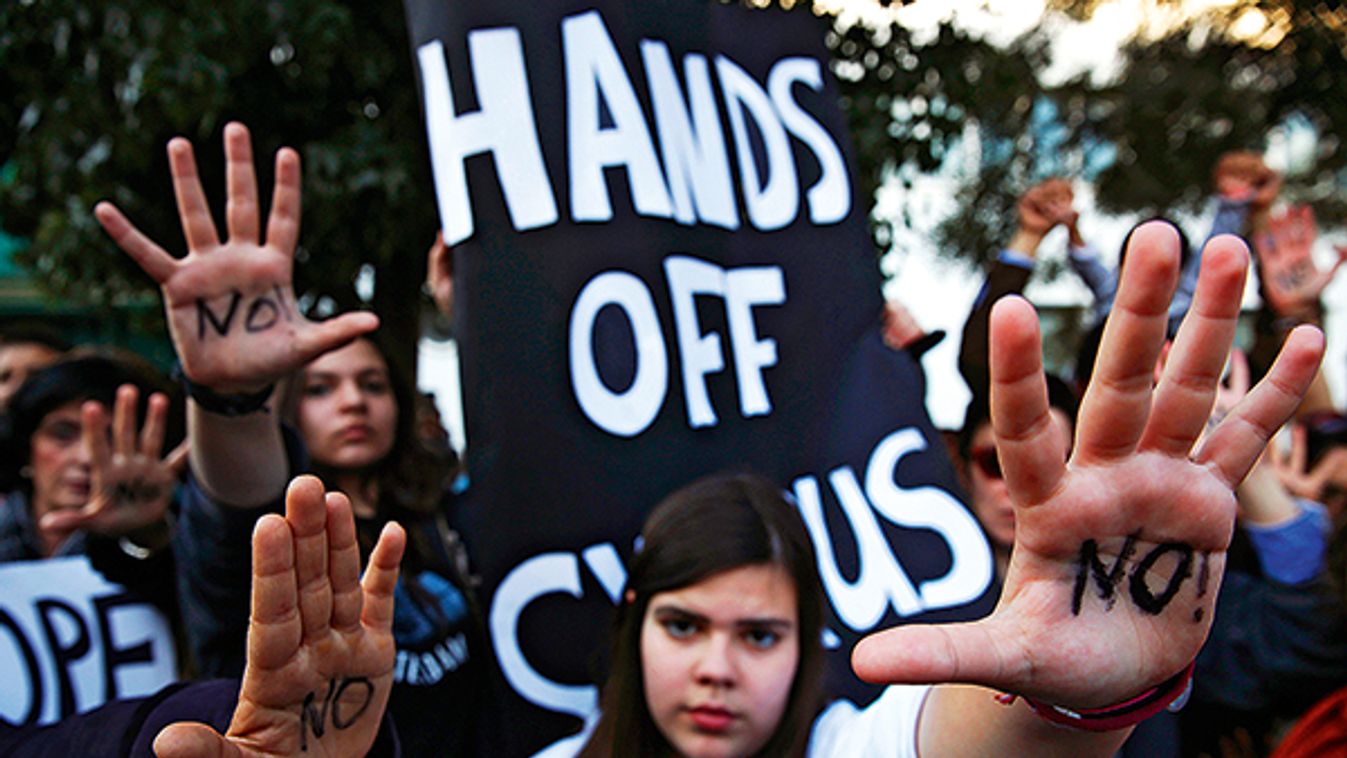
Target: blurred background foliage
{"x": 1205, "y": 78}
{"x": 96, "y": 89}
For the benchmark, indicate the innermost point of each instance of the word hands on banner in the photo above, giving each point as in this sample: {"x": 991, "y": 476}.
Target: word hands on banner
{"x": 695, "y": 185}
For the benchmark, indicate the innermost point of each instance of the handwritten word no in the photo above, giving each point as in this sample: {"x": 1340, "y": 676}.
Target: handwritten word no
{"x": 315, "y": 720}
{"x": 1108, "y": 578}
{"x": 137, "y": 491}
{"x": 262, "y": 312}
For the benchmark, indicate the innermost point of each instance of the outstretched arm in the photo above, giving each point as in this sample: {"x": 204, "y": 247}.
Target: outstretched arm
{"x": 232, "y": 314}
{"x": 320, "y": 640}
{"x": 1118, "y": 553}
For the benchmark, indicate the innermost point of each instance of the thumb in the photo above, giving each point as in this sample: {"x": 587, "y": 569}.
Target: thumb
{"x": 176, "y": 460}
{"x": 935, "y": 653}
{"x": 192, "y": 740}
{"x": 1341, "y": 250}
{"x": 61, "y": 523}
{"x": 331, "y": 334}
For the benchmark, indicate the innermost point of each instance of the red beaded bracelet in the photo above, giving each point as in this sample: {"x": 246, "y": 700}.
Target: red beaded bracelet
{"x": 1127, "y": 713}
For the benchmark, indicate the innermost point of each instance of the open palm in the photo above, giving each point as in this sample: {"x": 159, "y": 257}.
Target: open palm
{"x": 1292, "y": 281}
{"x": 320, "y": 640}
{"x": 1118, "y": 553}
{"x": 231, "y": 304}
{"x": 131, "y": 482}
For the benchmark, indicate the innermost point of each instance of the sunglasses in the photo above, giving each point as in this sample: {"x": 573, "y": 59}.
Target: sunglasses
{"x": 986, "y": 461}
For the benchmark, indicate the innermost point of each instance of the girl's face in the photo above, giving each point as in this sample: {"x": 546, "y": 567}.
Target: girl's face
{"x": 59, "y": 460}
{"x": 719, "y": 658}
{"x": 347, "y": 412}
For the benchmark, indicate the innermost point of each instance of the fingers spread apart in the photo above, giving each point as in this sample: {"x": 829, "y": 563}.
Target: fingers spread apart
{"x": 193, "y": 211}
{"x": 151, "y": 258}
{"x": 241, "y": 207}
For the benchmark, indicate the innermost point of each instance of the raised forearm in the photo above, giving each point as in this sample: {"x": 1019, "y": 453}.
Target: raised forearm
{"x": 238, "y": 460}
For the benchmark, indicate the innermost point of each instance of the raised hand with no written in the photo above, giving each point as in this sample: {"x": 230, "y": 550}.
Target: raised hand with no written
{"x": 230, "y": 303}
{"x": 1118, "y": 553}
{"x": 1292, "y": 281}
{"x": 320, "y": 638}
{"x": 131, "y": 484}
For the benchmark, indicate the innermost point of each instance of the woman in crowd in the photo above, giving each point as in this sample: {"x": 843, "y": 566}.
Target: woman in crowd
{"x": 716, "y": 647}
{"x": 76, "y": 485}
{"x": 238, "y": 334}
{"x": 73, "y": 490}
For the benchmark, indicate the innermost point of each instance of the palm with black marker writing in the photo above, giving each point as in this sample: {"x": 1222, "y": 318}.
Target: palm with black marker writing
{"x": 1118, "y": 552}
{"x": 130, "y": 480}
{"x": 231, "y": 304}
{"x": 320, "y": 639}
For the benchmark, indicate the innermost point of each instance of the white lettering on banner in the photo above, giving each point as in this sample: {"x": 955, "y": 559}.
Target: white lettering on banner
{"x": 881, "y": 580}
{"x": 628, "y": 413}
{"x": 539, "y": 576}
{"x": 70, "y": 641}
{"x": 861, "y": 605}
{"x": 772, "y": 201}
{"x": 700, "y": 354}
{"x": 696, "y": 160}
{"x": 746, "y": 288}
{"x": 503, "y": 126}
{"x": 633, "y": 410}
{"x": 830, "y": 197}
{"x": 607, "y": 567}
{"x": 689, "y": 178}
{"x": 593, "y": 73}
{"x": 930, "y": 508}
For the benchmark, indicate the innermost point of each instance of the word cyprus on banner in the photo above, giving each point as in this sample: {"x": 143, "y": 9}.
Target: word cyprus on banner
{"x": 663, "y": 272}
{"x": 71, "y": 641}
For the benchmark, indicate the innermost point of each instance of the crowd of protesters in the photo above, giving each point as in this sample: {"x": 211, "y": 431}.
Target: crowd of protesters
{"x": 174, "y": 487}
{"x": 1279, "y": 639}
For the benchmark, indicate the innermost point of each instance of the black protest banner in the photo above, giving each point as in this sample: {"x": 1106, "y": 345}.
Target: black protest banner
{"x": 662, "y": 272}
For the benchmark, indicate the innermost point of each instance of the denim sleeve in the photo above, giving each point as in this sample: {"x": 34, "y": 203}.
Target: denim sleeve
{"x": 1272, "y": 645}
{"x": 213, "y": 544}
{"x": 1293, "y": 552}
{"x": 1100, "y": 279}
{"x": 1230, "y": 215}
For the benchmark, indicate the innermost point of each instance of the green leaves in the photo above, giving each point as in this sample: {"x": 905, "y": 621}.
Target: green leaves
{"x": 98, "y": 89}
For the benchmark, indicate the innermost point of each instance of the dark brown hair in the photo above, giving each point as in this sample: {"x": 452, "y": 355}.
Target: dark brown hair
{"x": 89, "y": 373}
{"x": 713, "y": 525}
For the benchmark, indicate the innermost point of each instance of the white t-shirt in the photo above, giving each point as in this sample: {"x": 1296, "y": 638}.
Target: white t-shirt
{"x": 886, "y": 727}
